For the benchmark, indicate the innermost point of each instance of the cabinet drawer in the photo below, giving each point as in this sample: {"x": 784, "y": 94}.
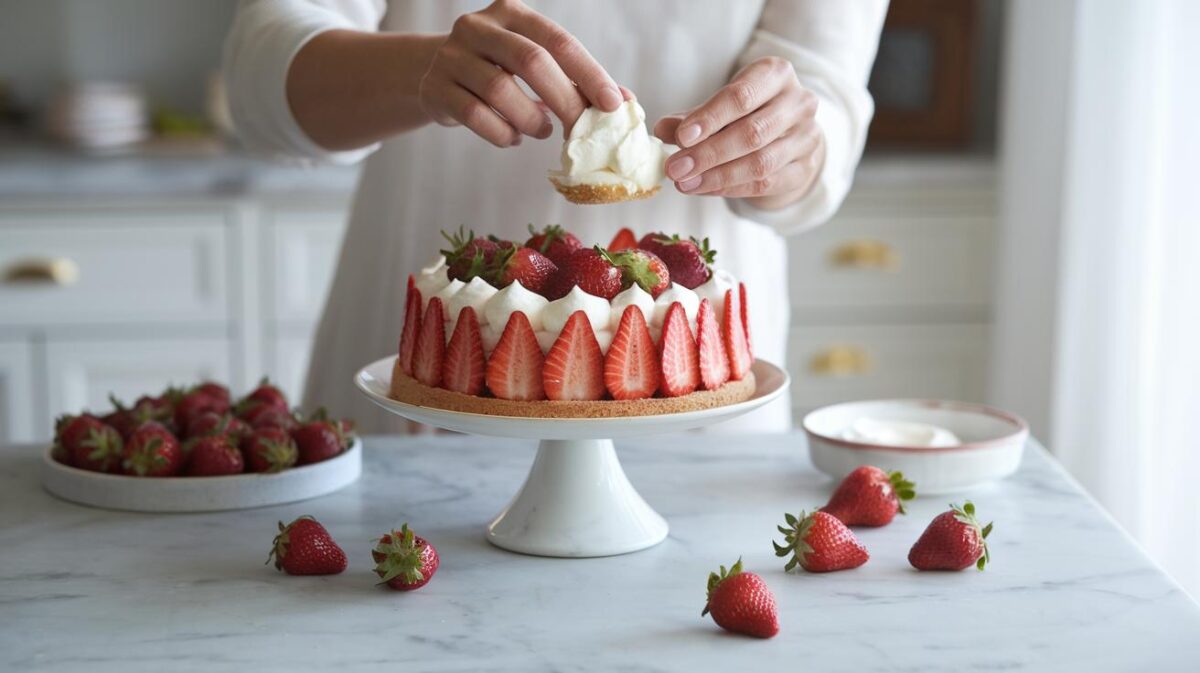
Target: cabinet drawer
{"x": 303, "y": 249}
{"x": 832, "y": 364}
{"x": 869, "y": 261}
{"x": 112, "y": 267}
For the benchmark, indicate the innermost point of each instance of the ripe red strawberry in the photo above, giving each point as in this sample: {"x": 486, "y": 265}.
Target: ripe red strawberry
{"x": 321, "y": 439}
{"x": 631, "y": 368}
{"x": 431, "y": 345}
{"x": 464, "y": 366}
{"x": 195, "y": 403}
{"x": 405, "y": 561}
{"x": 714, "y": 362}
{"x": 304, "y": 547}
{"x": 574, "y": 368}
{"x": 213, "y": 389}
{"x": 121, "y": 418}
{"x": 152, "y": 451}
{"x": 952, "y": 541}
{"x": 533, "y": 269}
{"x": 678, "y": 355}
{"x": 735, "y": 340}
{"x": 819, "y": 543}
{"x": 642, "y": 268}
{"x": 553, "y": 242}
{"x": 271, "y": 417}
{"x": 211, "y": 423}
{"x": 741, "y": 602}
{"x": 514, "y": 370}
{"x": 90, "y": 444}
{"x": 412, "y": 325}
{"x": 269, "y": 450}
{"x": 468, "y": 256}
{"x": 745, "y": 307}
{"x": 264, "y": 396}
{"x": 160, "y": 409}
{"x": 868, "y": 496}
{"x": 624, "y": 240}
{"x": 591, "y": 270}
{"x": 688, "y": 260}
{"x": 214, "y": 456}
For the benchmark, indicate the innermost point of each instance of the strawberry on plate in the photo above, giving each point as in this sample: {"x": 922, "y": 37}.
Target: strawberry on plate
{"x": 819, "y": 543}
{"x": 263, "y": 397}
{"x": 574, "y": 367}
{"x": 412, "y": 325}
{"x": 740, "y": 602}
{"x": 214, "y": 456}
{"x": 624, "y": 240}
{"x": 514, "y": 370}
{"x": 954, "y": 540}
{"x": 321, "y": 438}
{"x": 678, "y": 356}
{"x": 430, "y": 346}
{"x": 688, "y": 259}
{"x": 121, "y": 418}
{"x": 642, "y": 268}
{"x": 160, "y": 409}
{"x": 525, "y": 265}
{"x": 304, "y": 547}
{"x": 273, "y": 417}
{"x": 735, "y": 340}
{"x": 213, "y": 389}
{"x": 464, "y": 366}
{"x": 89, "y": 443}
{"x": 714, "y": 361}
{"x": 211, "y": 423}
{"x": 554, "y": 242}
{"x": 152, "y": 451}
{"x": 590, "y": 269}
{"x": 404, "y": 560}
{"x": 868, "y": 496}
{"x": 269, "y": 450}
{"x": 195, "y": 403}
{"x": 631, "y": 369}
{"x": 469, "y": 255}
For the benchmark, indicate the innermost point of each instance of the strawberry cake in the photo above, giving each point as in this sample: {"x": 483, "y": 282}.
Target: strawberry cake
{"x": 550, "y": 328}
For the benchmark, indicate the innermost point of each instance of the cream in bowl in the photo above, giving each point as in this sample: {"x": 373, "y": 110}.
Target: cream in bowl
{"x": 943, "y": 446}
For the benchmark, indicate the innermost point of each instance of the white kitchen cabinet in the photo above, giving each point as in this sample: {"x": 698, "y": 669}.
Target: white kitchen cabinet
{"x": 18, "y": 394}
{"x": 287, "y": 364}
{"x": 81, "y": 374}
{"x": 302, "y": 252}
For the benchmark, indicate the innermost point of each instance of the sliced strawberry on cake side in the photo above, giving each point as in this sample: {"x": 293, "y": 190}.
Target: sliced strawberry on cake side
{"x": 463, "y": 367}
{"x": 678, "y": 354}
{"x": 735, "y": 340}
{"x": 574, "y": 367}
{"x": 412, "y": 325}
{"x": 514, "y": 370}
{"x": 745, "y": 310}
{"x": 714, "y": 361}
{"x": 631, "y": 367}
{"x": 430, "y": 348}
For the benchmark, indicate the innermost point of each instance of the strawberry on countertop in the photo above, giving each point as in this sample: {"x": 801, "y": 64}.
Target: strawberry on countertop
{"x": 819, "y": 543}
{"x": 554, "y": 242}
{"x": 740, "y": 601}
{"x": 868, "y": 496}
{"x": 954, "y": 540}
{"x": 152, "y": 451}
{"x": 688, "y": 259}
{"x": 214, "y": 456}
{"x": 304, "y": 547}
{"x": 405, "y": 561}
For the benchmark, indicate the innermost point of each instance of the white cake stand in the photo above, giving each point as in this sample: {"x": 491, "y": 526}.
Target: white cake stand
{"x": 576, "y": 501}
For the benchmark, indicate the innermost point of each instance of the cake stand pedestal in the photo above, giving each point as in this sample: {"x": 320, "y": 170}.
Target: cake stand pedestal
{"x": 576, "y": 501}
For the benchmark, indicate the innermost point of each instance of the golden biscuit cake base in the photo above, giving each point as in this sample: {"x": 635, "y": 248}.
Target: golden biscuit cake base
{"x": 406, "y": 389}
{"x": 598, "y": 194}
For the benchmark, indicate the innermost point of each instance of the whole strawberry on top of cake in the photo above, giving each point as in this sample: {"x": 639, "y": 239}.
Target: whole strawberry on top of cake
{"x": 553, "y": 328}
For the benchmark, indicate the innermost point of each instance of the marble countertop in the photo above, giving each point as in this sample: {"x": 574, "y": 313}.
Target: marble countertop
{"x": 86, "y": 589}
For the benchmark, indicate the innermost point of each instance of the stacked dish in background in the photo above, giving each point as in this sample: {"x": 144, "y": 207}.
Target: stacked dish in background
{"x": 99, "y": 116}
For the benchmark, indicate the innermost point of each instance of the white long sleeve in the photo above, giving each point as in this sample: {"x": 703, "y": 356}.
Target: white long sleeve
{"x": 265, "y": 36}
{"x": 832, "y": 45}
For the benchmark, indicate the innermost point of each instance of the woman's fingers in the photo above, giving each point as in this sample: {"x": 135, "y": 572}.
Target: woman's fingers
{"x": 500, "y": 90}
{"x": 764, "y": 166}
{"x": 746, "y": 135}
{"x": 531, "y": 62}
{"x": 758, "y": 83}
{"x": 664, "y": 129}
{"x": 467, "y": 109}
{"x": 570, "y": 54}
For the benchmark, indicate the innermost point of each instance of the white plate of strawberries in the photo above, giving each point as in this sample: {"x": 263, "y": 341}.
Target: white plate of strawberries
{"x": 196, "y": 449}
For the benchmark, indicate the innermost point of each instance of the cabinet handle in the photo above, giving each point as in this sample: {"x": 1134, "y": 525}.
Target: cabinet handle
{"x": 60, "y": 271}
{"x": 865, "y": 253}
{"x": 840, "y": 360}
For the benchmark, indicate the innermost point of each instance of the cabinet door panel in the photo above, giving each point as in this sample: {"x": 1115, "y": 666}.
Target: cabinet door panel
{"x": 303, "y": 249}
{"x": 17, "y": 394}
{"x": 287, "y": 365}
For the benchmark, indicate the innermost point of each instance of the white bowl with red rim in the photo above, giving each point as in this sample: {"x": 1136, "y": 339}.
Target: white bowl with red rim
{"x": 992, "y": 442}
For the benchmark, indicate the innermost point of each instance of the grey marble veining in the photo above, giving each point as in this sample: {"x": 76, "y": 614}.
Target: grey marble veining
{"x": 85, "y": 589}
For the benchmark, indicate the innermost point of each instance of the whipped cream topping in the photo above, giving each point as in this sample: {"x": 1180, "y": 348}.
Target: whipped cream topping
{"x": 899, "y": 433}
{"x": 432, "y": 279}
{"x": 556, "y": 313}
{"x": 474, "y": 294}
{"x": 634, "y": 296}
{"x": 445, "y": 294}
{"x": 676, "y": 293}
{"x": 714, "y": 290}
{"x": 515, "y": 297}
{"x": 613, "y": 148}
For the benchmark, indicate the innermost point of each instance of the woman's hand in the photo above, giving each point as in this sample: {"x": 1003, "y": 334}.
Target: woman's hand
{"x": 472, "y": 78}
{"x": 756, "y": 138}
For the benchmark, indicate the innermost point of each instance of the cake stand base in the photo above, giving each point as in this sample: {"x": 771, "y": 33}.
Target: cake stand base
{"x": 577, "y": 502}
